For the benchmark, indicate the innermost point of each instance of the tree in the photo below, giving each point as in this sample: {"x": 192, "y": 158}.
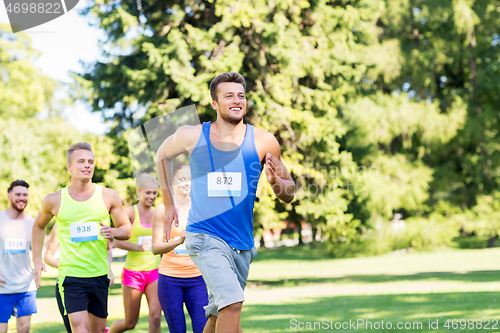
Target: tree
{"x": 327, "y": 78}
{"x": 34, "y": 138}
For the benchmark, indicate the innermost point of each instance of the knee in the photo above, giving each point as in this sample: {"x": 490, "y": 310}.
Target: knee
{"x": 130, "y": 324}
{"x": 24, "y": 328}
{"x": 155, "y": 317}
{"x": 81, "y": 329}
{"x": 233, "y": 308}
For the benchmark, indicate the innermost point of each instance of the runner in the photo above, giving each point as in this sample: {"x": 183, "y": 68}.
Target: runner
{"x": 180, "y": 281}
{"x": 82, "y": 213}
{"x": 140, "y": 274}
{"x": 17, "y": 288}
{"x": 50, "y": 259}
{"x": 226, "y": 159}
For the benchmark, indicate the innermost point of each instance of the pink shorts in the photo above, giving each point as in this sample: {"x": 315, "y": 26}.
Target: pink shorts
{"x": 139, "y": 279}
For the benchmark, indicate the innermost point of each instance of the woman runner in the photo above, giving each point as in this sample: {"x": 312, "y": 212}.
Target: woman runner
{"x": 179, "y": 281}
{"x": 140, "y": 274}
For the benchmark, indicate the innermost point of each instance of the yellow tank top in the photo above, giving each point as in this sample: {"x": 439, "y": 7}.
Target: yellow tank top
{"x": 83, "y": 249}
{"x": 141, "y": 260}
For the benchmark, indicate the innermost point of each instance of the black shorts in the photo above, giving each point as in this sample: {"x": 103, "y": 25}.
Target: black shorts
{"x": 85, "y": 294}
{"x": 61, "y": 309}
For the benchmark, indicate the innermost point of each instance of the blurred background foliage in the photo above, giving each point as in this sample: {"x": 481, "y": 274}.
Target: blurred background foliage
{"x": 387, "y": 111}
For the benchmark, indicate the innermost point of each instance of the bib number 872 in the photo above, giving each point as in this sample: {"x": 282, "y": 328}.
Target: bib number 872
{"x": 83, "y": 229}
{"x": 225, "y": 180}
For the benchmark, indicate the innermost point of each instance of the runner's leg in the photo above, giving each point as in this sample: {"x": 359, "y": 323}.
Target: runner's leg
{"x": 132, "y": 304}
{"x": 79, "y": 321}
{"x": 23, "y": 324}
{"x": 210, "y": 325}
{"x": 97, "y": 325}
{"x": 196, "y": 297}
{"x": 154, "y": 317}
{"x": 172, "y": 302}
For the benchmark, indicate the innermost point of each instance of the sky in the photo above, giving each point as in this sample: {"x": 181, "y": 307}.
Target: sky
{"x": 64, "y": 42}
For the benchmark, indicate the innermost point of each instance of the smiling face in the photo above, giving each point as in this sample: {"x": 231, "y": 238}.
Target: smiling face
{"x": 148, "y": 194}
{"x": 231, "y": 103}
{"x": 18, "y": 198}
{"x": 81, "y": 165}
{"x": 182, "y": 181}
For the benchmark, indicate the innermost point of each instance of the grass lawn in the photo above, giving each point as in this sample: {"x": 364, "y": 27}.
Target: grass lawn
{"x": 291, "y": 288}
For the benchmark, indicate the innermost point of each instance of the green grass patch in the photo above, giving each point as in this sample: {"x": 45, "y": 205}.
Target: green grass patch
{"x": 291, "y": 289}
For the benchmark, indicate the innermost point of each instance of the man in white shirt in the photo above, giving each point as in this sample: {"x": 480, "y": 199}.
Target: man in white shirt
{"x": 17, "y": 288}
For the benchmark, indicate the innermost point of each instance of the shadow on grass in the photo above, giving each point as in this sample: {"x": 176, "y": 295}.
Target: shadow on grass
{"x": 476, "y": 276}
{"x": 375, "y": 308}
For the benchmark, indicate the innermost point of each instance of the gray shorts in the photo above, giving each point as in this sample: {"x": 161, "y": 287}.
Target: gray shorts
{"x": 224, "y": 269}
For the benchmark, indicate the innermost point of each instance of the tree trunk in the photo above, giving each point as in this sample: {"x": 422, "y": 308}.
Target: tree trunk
{"x": 493, "y": 241}
{"x": 299, "y": 225}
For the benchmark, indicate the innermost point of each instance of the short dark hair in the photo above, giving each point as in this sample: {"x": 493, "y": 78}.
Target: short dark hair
{"x": 226, "y": 77}
{"x": 17, "y": 183}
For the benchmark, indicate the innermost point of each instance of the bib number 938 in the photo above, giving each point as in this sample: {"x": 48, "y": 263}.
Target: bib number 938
{"x": 83, "y": 232}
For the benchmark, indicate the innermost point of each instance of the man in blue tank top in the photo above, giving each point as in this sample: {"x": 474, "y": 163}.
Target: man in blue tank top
{"x": 226, "y": 159}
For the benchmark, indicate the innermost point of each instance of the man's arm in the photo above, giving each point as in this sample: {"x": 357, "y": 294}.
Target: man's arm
{"x": 123, "y": 229}
{"x": 182, "y": 141}
{"x": 126, "y": 245}
{"x": 49, "y": 257}
{"x": 110, "y": 260}
{"x": 276, "y": 173}
{"x": 38, "y": 234}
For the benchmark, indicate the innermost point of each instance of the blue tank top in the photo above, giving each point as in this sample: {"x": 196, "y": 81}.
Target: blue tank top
{"x": 227, "y": 217}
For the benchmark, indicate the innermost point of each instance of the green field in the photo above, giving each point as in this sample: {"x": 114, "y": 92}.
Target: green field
{"x": 289, "y": 287}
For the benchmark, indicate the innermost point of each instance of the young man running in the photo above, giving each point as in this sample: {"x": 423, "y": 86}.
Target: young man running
{"x": 226, "y": 159}
{"x": 82, "y": 213}
{"x": 17, "y": 289}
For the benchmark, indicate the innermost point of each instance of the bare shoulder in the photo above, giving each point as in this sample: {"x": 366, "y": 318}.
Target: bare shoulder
{"x": 189, "y": 135}
{"x": 266, "y": 143}
{"x": 159, "y": 210}
{"x": 110, "y": 196}
{"x": 130, "y": 211}
{"x": 188, "y": 129}
{"x": 52, "y": 200}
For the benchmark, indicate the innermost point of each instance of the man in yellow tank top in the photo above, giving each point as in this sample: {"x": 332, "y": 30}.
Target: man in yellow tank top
{"x": 82, "y": 213}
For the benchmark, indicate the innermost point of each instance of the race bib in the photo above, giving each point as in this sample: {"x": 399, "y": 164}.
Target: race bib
{"x": 180, "y": 249}
{"x": 15, "y": 245}
{"x": 224, "y": 184}
{"x": 142, "y": 239}
{"x": 83, "y": 232}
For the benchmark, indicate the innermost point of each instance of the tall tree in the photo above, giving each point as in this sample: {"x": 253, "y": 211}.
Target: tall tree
{"x": 34, "y": 138}
{"x": 328, "y": 78}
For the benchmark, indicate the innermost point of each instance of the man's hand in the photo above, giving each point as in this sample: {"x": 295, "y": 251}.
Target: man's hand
{"x": 37, "y": 272}
{"x": 111, "y": 278}
{"x": 2, "y": 281}
{"x": 106, "y": 231}
{"x": 271, "y": 175}
{"x": 171, "y": 216}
